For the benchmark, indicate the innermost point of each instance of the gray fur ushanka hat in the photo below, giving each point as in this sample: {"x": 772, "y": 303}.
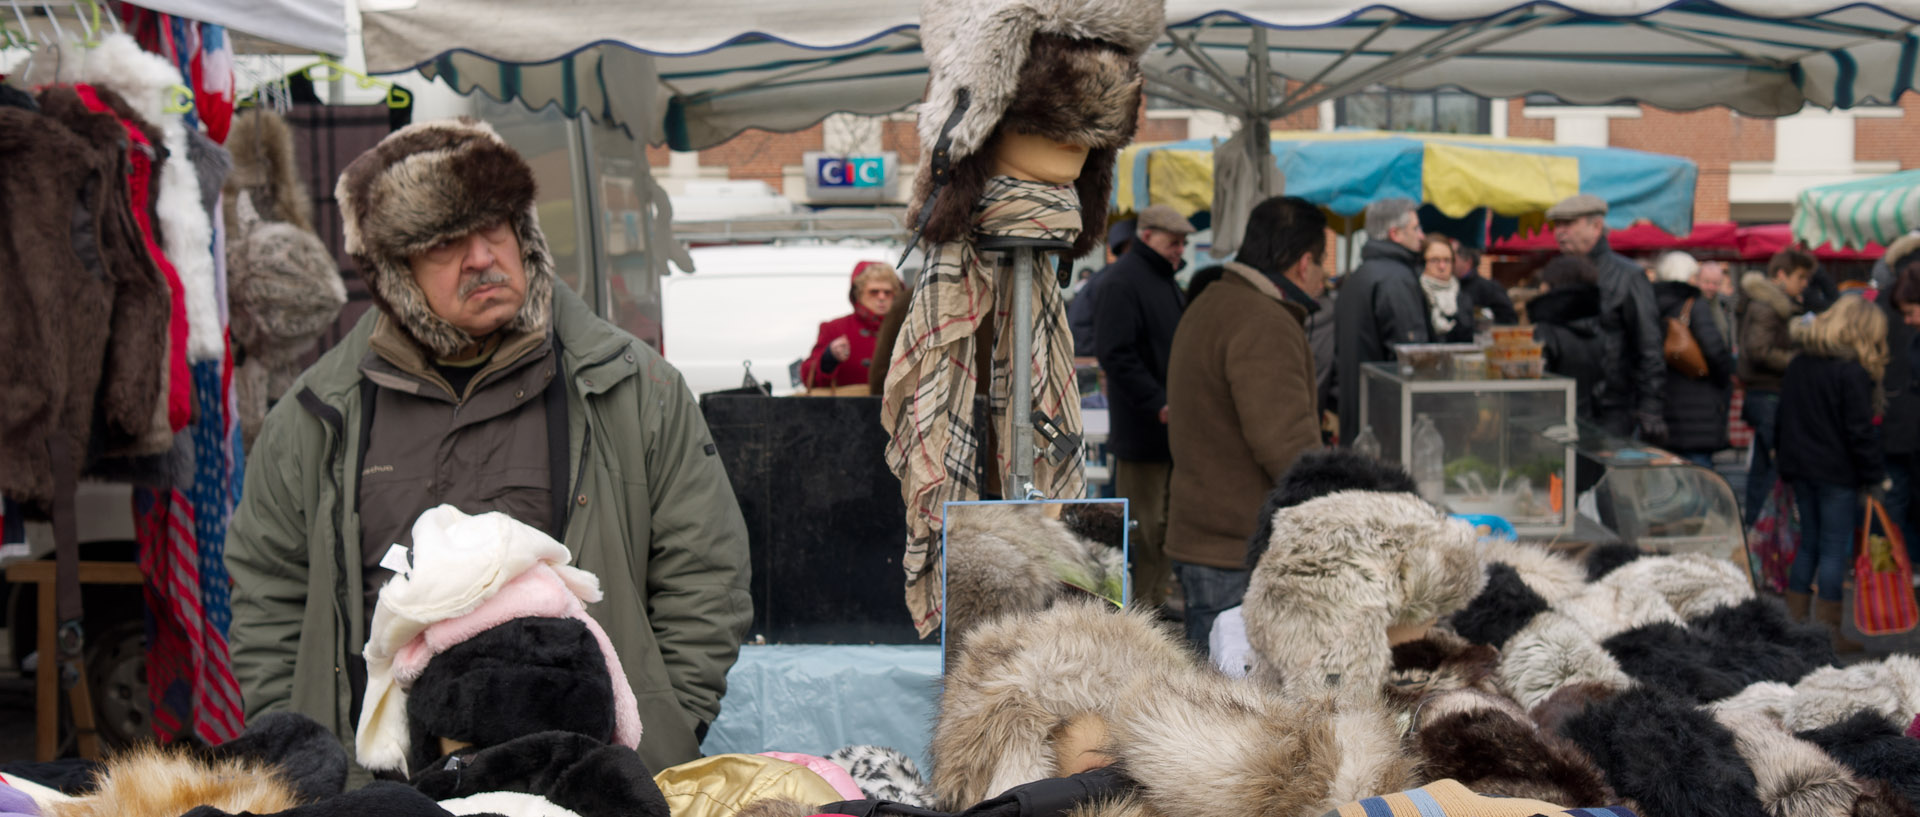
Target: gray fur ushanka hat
{"x": 429, "y": 182}
{"x": 1064, "y": 69}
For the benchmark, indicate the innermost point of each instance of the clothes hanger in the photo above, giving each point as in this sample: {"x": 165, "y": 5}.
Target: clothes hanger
{"x": 397, "y": 97}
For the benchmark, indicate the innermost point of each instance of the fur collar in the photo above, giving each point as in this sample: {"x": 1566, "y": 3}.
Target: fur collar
{"x": 1761, "y": 289}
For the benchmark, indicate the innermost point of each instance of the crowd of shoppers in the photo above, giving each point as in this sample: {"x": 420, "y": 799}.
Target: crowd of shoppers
{"x": 1216, "y": 388}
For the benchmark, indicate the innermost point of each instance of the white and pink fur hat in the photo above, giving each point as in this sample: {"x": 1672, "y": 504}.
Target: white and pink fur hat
{"x": 466, "y": 575}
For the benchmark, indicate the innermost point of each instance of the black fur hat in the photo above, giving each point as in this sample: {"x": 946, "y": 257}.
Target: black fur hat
{"x": 1319, "y": 473}
{"x": 1668, "y": 754}
{"x": 1873, "y": 748}
{"x": 525, "y": 676}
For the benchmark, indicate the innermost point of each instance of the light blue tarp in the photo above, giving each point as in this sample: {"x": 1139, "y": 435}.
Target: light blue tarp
{"x": 817, "y": 698}
{"x": 1345, "y": 175}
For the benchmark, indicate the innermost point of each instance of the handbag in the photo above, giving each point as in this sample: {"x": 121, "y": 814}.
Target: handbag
{"x": 1774, "y": 540}
{"x": 1682, "y": 350}
{"x": 1883, "y": 602}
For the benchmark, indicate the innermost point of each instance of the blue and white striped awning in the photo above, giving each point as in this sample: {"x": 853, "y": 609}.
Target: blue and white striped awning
{"x": 716, "y": 67}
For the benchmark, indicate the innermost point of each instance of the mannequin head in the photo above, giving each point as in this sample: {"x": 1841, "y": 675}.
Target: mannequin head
{"x": 1034, "y": 158}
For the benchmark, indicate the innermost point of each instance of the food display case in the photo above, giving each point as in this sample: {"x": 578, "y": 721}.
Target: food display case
{"x": 1506, "y": 448}
{"x": 1656, "y": 500}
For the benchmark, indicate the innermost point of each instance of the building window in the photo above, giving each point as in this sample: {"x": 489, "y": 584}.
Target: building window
{"x": 1443, "y": 111}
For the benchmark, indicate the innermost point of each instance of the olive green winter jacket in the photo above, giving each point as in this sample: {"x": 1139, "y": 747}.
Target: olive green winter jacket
{"x": 651, "y": 513}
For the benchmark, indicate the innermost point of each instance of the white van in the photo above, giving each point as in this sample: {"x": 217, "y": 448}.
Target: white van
{"x": 759, "y": 305}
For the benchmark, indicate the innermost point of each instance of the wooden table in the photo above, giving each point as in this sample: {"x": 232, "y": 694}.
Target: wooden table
{"x": 46, "y": 682}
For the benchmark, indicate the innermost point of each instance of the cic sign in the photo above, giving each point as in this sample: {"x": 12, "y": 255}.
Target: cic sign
{"x": 833, "y": 177}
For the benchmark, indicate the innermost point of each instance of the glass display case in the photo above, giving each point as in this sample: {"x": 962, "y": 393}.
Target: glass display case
{"x": 1504, "y": 443}
{"x": 1656, "y": 500}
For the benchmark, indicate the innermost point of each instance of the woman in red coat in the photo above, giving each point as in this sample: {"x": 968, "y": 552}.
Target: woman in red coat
{"x": 843, "y": 353}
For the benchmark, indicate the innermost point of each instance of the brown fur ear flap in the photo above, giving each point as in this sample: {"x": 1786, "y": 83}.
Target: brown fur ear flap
{"x": 1094, "y": 185}
{"x": 1493, "y": 750}
{"x": 951, "y": 218}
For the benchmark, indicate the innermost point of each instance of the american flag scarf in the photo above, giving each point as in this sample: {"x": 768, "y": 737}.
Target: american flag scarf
{"x": 927, "y": 408}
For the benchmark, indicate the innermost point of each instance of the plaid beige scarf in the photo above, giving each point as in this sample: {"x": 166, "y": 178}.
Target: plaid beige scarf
{"x": 928, "y": 404}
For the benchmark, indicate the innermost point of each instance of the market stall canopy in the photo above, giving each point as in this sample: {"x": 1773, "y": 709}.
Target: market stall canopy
{"x": 1712, "y": 239}
{"x": 312, "y": 25}
{"x": 726, "y": 65}
{"x": 1852, "y": 214}
{"x": 1344, "y": 171}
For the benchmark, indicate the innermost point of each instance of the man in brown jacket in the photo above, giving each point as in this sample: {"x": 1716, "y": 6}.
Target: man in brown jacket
{"x": 1241, "y": 405}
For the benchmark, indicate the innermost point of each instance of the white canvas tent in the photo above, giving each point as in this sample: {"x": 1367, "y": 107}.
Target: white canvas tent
{"x": 724, "y": 65}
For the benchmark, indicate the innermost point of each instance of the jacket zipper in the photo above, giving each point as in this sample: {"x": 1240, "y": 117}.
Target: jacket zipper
{"x": 335, "y": 421}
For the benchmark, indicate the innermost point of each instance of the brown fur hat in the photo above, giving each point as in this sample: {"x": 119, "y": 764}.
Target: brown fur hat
{"x": 1064, "y": 69}
{"x": 429, "y": 182}
{"x": 1487, "y": 742}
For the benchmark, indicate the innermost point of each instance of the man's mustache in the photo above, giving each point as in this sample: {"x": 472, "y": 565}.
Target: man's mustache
{"x": 489, "y": 278}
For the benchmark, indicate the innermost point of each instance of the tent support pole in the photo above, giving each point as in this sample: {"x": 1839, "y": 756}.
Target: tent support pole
{"x": 1436, "y": 49}
{"x": 1259, "y": 136}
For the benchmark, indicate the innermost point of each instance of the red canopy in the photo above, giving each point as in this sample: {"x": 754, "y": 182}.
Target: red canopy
{"x": 1721, "y": 238}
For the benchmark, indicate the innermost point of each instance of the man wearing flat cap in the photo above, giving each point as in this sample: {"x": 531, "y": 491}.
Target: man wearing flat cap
{"x": 481, "y": 383}
{"x": 1140, "y": 305}
{"x": 1630, "y": 398}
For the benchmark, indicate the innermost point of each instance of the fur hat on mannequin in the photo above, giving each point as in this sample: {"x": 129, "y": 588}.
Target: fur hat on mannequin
{"x": 424, "y": 184}
{"x": 1063, "y": 69}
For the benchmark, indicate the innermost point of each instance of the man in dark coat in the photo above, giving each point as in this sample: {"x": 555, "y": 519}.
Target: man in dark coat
{"x": 1566, "y": 321}
{"x": 1696, "y": 407}
{"x": 1380, "y": 302}
{"x": 1139, "y": 309}
{"x": 1636, "y": 375}
{"x": 1085, "y": 305}
{"x": 1482, "y": 292}
{"x": 1900, "y": 429}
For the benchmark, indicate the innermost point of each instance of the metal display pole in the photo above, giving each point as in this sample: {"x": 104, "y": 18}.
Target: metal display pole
{"x": 1026, "y": 253}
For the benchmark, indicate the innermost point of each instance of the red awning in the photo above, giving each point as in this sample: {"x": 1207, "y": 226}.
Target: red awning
{"x": 1761, "y": 241}
{"x": 1717, "y": 235}
{"x": 1722, "y": 239}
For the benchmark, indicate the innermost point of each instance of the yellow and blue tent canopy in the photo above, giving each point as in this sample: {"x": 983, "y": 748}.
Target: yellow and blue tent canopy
{"x": 1858, "y": 213}
{"x": 1343, "y": 171}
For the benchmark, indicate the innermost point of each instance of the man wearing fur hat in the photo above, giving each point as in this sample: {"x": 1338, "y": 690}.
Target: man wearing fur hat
{"x": 480, "y": 384}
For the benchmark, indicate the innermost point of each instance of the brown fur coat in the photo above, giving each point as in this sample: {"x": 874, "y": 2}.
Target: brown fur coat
{"x": 71, "y": 263}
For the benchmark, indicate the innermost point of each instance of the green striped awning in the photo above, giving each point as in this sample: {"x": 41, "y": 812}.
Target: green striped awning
{"x": 1858, "y": 213}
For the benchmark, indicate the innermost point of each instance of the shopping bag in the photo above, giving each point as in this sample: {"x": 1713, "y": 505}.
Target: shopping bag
{"x": 1883, "y": 602}
{"x": 1774, "y": 540}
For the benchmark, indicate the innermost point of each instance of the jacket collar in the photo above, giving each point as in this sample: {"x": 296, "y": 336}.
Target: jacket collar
{"x": 1284, "y": 287}
{"x": 1265, "y": 286}
{"x": 1758, "y": 287}
{"x": 1159, "y": 264}
{"x": 1382, "y": 248}
{"x": 1601, "y": 248}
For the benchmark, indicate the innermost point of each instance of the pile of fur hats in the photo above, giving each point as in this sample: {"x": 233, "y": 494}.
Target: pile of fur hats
{"x": 1657, "y": 683}
{"x": 285, "y": 286}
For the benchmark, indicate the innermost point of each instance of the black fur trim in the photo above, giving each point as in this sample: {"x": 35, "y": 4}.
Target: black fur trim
{"x": 310, "y": 759}
{"x": 1100, "y": 522}
{"x": 1491, "y": 752}
{"x": 1724, "y": 652}
{"x": 1318, "y": 473}
{"x": 526, "y": 676}
{"x": 381, "y": 798}
{"x": 1872, "y": 747}
{"x": 1502, "y": 609}
{"x": 570, "y": 770}
{"x": 1763, "y": 620}
{"x": 1669, "y": 755}
{"x": 1605, "y": 559}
